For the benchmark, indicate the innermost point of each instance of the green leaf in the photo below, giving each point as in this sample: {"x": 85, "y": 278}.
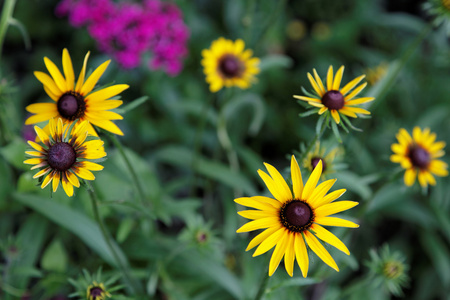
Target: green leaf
{"x": 275, "y": 61}
{"x": 336, "y": 131}
{"x": 77, "y": 223}
{"x": 386, "y": 197}
{"x": 354, "y": 183}
{"x": 438, "y": 253}
{"x": 132, "y": 105}
{"x": 309, "y": 112}
{"x": 55, "y": 257}
{"x": 14, "y": 153}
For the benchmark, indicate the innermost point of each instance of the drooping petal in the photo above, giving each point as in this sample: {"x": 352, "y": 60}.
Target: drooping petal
{"x": 301, "y": 254}
{"x": 321, "y": 252}
{"x": 335, "y": 115}
{"x": 278, "y": 253}
{"x": 410, "y": 177}
{"x": 289, "y": 255}
{"x": 329, "y": 238}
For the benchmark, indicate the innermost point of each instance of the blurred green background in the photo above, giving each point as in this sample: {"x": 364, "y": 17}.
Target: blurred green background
{"x": 45, "y": 239}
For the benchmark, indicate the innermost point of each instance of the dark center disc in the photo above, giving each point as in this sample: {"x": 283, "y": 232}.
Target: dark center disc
{"x": 61, "y": 156}
{"x": 230, "y": 66}
{"x": 333, "y": 100}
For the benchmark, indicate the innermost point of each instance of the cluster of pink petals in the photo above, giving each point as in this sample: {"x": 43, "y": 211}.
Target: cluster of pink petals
{"x": 127, "y": 31}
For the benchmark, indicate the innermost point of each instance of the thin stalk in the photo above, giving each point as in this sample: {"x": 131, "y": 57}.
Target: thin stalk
{"x": 262, "y": 287}
{"x": 132, "y": 285}
{"x": 137, "y": 183}
{"x": 8, "y": 7}
{"x": 317, "y": 136}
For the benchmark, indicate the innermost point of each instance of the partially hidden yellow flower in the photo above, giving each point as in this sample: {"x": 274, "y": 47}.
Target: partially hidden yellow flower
{"x": 227, "y": 64}
{"x": 97, "y": 291}
{"x": 334, "y": 99}
{"x": 327, "y": 156}
{"x": 77, "y": 101}
{"x": 418, "y": 155}
{"x": 294, "y": 220}
{"x": 65, "y": 155}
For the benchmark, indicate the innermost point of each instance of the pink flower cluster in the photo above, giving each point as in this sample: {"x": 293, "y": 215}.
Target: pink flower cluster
{"x": 127, "y": 30}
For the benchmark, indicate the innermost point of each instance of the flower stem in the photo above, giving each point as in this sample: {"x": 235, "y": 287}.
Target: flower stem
{"x": 317, "y": 137}
{"x": 107, "y": 237}
{"x": 136, "y": 181}
{"x": 262, "y": 287}
{"x": 7, "y": 10}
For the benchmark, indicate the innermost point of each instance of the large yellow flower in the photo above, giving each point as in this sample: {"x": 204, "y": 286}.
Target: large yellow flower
{"x": 76, "y": 101}
{"x": 335, "y": 99}
{"x": 65, "y": 154}
{"x": 417, "y": 154}
{"x": 294, "y": 220}
{"x": 227, "y": 64}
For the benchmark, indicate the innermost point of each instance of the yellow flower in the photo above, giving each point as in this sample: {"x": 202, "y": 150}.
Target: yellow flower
{"x": 65, "y": 154}
{"x": 335, "y": 99}
{"x": 76, "y": 101}
{"x": 227, "y": 64}
{"x": 97, "y": 291}
{"x": 418, "y": 155}
{"x": 377, "y": 73}
{"x": 294, "y": 220}
{"x": 320, "y": 154}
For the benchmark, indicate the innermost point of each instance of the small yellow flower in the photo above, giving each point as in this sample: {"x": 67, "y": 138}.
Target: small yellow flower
{"x": 376, "y": 73}
{"x": 65, "y": 155}
{"x": 97, "y": 291}
{"x": 76, "y": 101}
{"x": 293, "y": 220}
{"x": 418, "y": 155}
{"x": 227, "y": 64}
{"x": 334, "y": 99}
{"x": 319, "y": 153}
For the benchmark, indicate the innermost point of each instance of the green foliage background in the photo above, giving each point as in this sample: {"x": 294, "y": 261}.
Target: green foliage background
{"x": 185, "y": 172}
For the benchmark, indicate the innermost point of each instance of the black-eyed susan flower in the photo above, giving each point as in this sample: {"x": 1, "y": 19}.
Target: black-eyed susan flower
{"x": 77, "y": 101}
{"x": 227, "y": 64}
{"x": 97, "y": 291}
{"x": 292, "y": 221}
{"x": 65, "y": 155}
{"x": 375, "y": 74}
{"x": 418, "y": 155}
{"x": 333, "y": 99}
{"x": 93, "y": 287}
{"x": 327, "y": 156}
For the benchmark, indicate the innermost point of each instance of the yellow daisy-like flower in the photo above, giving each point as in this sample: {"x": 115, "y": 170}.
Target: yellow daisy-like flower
{"x": 77, "y": 101}
{"x": 227, "y": 64}
{"x": 294, "y": 220}
{"x": 65, "y": 154}
{"x": 335, "y": 99}
{"x": 97, "y": 291}
{"x": 320, "y": 154}
{"x": 418, "y": 155}
{"x": 377, "y": 73}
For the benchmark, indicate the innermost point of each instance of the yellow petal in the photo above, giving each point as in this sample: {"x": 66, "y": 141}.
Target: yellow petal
{"x": 67, "y": 186}
{"x": 107, "y": 93}
{"x": 430, "y": 178}
{"x": 329, "y": 238}
{"x": 347, "y": 112}
{"x": 103, "y": 115}
{"x": 320, "y": 191}
{"x": 297, "y": 182}
{"x": 319, "y": 82}
{"x": 330, "y": 78}
{"x": 48, "y": 82}
{"x": 269, "y": 242}
{"x": 321, "y": 252}
{"x": 360, "y": 101}
{"x": 55, "y": 182}
{"x": 282, "y": 187}
{"x": 47, "y": 179}
{"x": 417, "y": 134}
{"x": 41, "y": 134}
{"x": 355, "y": 92}
{"x": 92, "y": 80}
{"x": 422, "y": 179}
{"x": 309, "y": 99}
{"x": 56, "y": 74}
{"x": 301, "y": 254}
{"x": 73, "y": 179}
{"x": 91, "y": 166}
{"x": 258, "y": 224}
{"x": 330, "y": 197}
{"x": 314, "y": 85}
{"x": 335, "y": 115}
{"x": 253, "y": 214}
{"x": 85, "y": 174}
{"x": 333, "y": 208}
{"x": 42, "y": 172}
{"x": 333, "y": 221}
{"x": 404, "y": 137}
{"x": 357, "y": 110}
{"x": 322, "y": 110}
{"x": 82, "y": 74}
{"x": 338, "y": 78}
{"x": 41, "y": 117}
{"x": 261, "y": 237}
{"x": 410, "y": 177}
{"x": 351, "y": 84}
{"x": 271, "y": 185}
{"x": 289, "y": 255}
{"x": 107, "y": 125}
{"x": 438, "y": 168}
{"x": 278, "y": 253}
{"x": 399, "y": 149}
{"x": 312, "y": 181}
{"x": 103, "y": 105}
{"x": 38, "y": 108}
{"x": 68, "y": 70}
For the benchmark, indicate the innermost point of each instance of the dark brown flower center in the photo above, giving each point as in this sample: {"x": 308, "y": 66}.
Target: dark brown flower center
{"x": 296, "y": 215}
{"x": 61, "y": 156}
{"x": 419, "y": 157}
{"x": 333, "y": 100}
{"x": 315, "y": 162}
{"x": 230, "y": 66}
{"x": 96, "y": 292}
{"x": 71, "y": 106}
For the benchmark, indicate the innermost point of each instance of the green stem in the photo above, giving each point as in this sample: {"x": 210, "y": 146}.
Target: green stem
{"x": 8, "y": 7}
{"x": 262, "y": 287}
{"x": 107, "y": 237}
{"x": 317, "y": 136}
{"x": 136, "y": 181}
